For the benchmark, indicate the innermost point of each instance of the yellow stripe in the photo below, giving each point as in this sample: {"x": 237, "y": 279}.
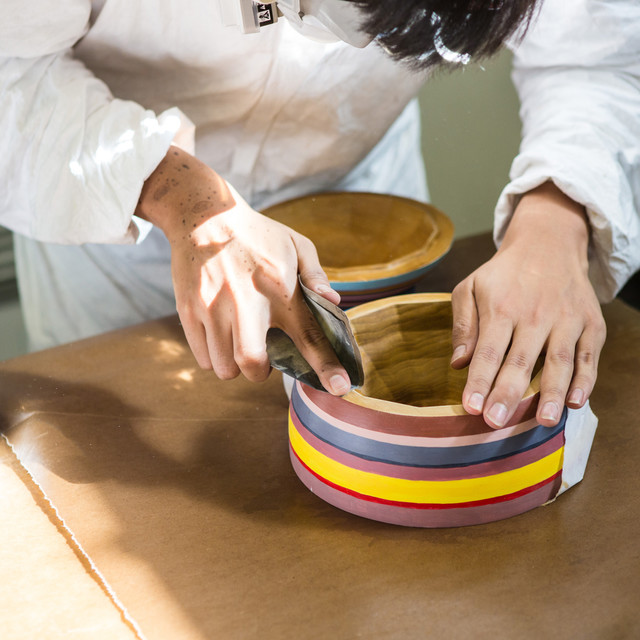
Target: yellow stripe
{"x": 424, "y": 491}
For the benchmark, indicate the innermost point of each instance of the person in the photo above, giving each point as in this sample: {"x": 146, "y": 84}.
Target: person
{"x": 118, "y": 220}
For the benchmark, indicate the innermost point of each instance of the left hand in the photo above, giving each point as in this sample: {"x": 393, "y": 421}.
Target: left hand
{"x": 533, "y": 297}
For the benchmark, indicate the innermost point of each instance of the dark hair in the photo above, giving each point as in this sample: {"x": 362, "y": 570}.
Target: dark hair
{"x": 427, "y": 33}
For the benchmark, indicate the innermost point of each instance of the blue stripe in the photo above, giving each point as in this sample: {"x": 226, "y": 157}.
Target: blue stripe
{"x": 360, "y": 285}
{"x": 424, "y": 457}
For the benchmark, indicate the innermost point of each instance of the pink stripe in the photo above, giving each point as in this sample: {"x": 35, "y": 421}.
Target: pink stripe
{"x": 405, "y": 516}
{"x": 490, "y": 435}
{"x": 479, "y": 470}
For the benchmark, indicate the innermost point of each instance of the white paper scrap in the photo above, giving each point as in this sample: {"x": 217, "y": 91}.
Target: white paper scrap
{"x": 579, "y": 432}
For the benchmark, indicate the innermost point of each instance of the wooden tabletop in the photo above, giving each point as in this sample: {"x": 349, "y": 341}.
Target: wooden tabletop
{"x": 152, "y": 500}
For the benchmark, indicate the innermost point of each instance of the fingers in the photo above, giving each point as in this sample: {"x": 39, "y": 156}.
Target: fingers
{"x": 226, "y": 342}
{"x": 211, "y": 347}
{"x": 195, "y": 334}
{"x": 311, "y": 273}
{"x": 515, "y": 374}
{"x": 233, "y": 343}
{"x": 570, "y": 371}
{"x": 556, "y": 375}
{"x": 493, "y": 340}
{"x": 249, "y": 331}
{"x": 248, "y": 353}
{"x": 221, "y": 346}
{"x": 302, "y": 327}
{"x": 568, "y": 375}
{"x": 314, "y": 346}
{"x": 465, "y": 324}
{"x": 586, "y": 363}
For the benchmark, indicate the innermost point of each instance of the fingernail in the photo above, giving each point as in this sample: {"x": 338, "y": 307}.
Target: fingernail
{"x": 549, "y": 411}
{"x": 326, "y": 291}
{"x": 576, "y": 397}
{"x": 339, "y": 385}
{"x": 323, "y": 288}
{"x": 476, "y": 401}
{"x": 459, "y": 352}
{"x": 498, "y": 414}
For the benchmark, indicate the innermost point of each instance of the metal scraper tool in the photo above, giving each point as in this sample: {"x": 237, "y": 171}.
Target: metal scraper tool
{"x": 284, "y": 355}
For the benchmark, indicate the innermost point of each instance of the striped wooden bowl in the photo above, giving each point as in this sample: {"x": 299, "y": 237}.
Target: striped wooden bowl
{"x": 370, "y": 245}
{"x": 402, "y": 449}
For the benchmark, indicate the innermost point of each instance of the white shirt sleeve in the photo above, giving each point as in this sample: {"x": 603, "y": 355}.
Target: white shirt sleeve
{"x": 74, "y": 159}
{"x": 577, "y": 73}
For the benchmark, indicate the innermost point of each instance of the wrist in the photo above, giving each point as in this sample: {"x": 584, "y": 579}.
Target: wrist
{"x": 182, "y": 193}
{"x": 546, "y": 215}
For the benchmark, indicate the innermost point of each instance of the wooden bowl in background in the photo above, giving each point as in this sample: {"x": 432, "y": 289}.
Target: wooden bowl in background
{"x": 370, "y": 245}
{"x": 402, "y": 449}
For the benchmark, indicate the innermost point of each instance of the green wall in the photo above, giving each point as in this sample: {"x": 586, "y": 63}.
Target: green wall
{"x": 471, "y": 133}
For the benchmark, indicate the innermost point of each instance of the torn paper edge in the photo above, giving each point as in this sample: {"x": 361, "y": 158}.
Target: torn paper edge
{"x": 97, "y": 575}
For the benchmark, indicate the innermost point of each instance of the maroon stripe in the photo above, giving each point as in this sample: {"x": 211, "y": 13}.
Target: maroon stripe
{"x": 351, "y": 299}
{"x": 407, "y": 284}
{"x": 431, "y": 518}
{"x": 397, "y": 424}
{"x": 406, "y": 472}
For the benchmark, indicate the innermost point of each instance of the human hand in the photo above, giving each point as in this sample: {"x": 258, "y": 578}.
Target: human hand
{"x": 533, "y": 297}
{"x": 235, "y": 274}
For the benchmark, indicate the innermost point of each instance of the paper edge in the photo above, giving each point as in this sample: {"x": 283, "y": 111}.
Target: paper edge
{"x": 78, "y": 548}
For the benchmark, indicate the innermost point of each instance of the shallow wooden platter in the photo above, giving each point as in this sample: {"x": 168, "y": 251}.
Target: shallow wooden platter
{"x": 370, "y": 245}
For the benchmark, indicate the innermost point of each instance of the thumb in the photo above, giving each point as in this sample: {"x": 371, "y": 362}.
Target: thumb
{"x": 464, "y": 335}
{"x": 311, "y": 273}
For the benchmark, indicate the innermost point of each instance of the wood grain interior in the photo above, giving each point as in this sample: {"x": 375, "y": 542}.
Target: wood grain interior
{"x": 405, "y": 343}
{"x": 365, "y": 236}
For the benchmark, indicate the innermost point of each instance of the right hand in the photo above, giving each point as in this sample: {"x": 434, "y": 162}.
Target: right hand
{"x": 235, "y": 274}
{"x": 532, "y": 298}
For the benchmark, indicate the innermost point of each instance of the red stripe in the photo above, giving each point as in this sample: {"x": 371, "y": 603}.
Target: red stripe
{"x": 429, "y": 518}
{"x": 422, "y": 505}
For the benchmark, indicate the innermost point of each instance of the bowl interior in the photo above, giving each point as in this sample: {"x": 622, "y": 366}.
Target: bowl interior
{"x": 406, "y": 349}
{"x": 364, "y": 236}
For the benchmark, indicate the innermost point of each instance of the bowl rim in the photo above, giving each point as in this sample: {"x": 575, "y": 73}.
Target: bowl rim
{"x": 356, "y": 397}
{"x": 434, "y": 247}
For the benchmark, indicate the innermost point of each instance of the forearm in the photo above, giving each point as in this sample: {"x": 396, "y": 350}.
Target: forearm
{"x": 579, "y": 89}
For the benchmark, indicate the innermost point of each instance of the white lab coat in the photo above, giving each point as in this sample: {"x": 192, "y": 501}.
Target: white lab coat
{"x": 275, "y": 114}
{"x": 578, "y": 77}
